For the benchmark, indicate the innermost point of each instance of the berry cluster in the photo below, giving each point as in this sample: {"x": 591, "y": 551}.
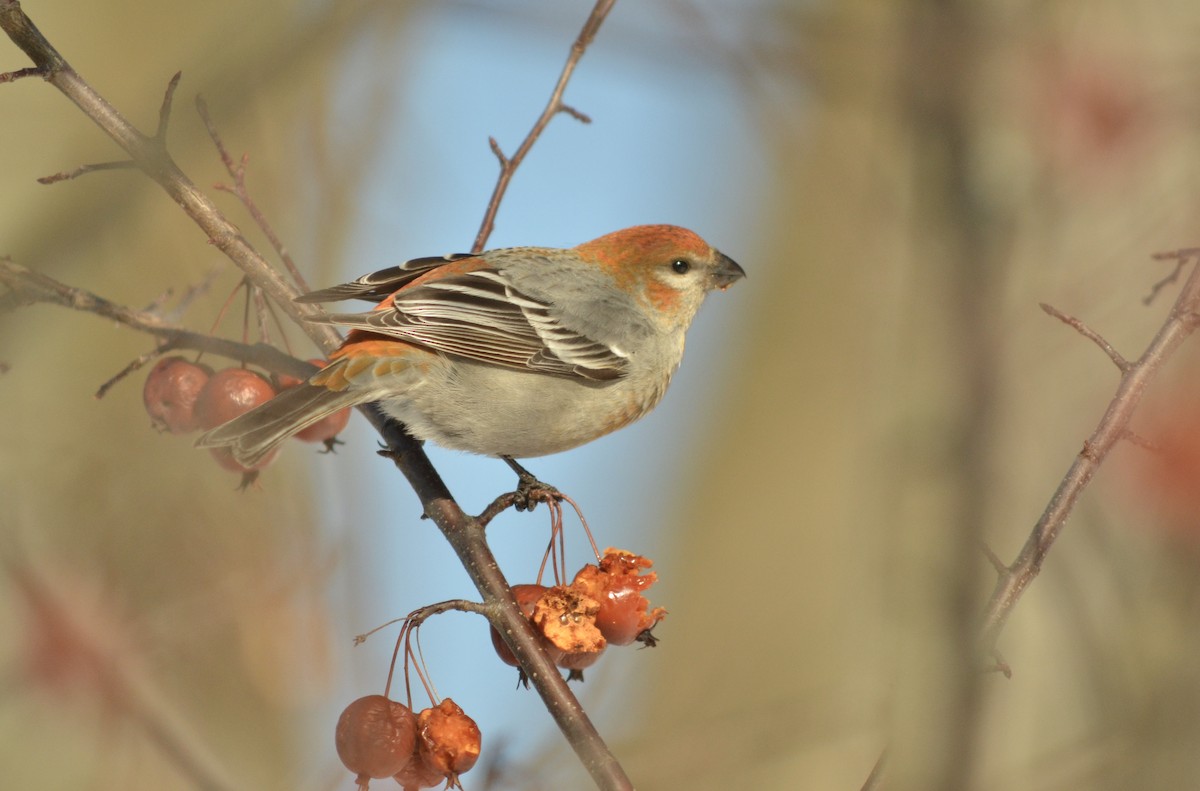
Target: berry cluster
{"x": 182, "y": 397}
{"x": 603, "y": 605}
{"x": 378, "y": 738}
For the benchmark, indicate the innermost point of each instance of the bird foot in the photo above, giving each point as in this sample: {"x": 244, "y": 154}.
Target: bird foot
{"x": 530, "y": 491}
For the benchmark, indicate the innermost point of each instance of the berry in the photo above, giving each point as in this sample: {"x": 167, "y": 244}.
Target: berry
{"x": 448, "y": 740}
{"x": 624, "y": 615}
{"x": 375, "y": 737}
{"x": 170, "y": 393}
{"x": 527, "y": 597}
{"x": 229, "y": 393}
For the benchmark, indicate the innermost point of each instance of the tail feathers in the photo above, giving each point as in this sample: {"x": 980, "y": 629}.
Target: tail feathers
{"x": 252, "y": 435}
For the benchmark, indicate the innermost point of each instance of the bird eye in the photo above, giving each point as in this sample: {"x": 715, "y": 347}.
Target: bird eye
{"x": 680, "y": 267}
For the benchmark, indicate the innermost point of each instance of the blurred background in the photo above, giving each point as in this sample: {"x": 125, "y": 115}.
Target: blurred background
{"x": 903, "y": 182}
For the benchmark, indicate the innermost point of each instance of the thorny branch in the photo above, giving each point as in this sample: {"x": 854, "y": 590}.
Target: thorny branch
{"x": 464, "y": 533}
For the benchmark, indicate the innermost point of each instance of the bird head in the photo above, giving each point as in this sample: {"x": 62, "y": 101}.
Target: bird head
{"x": 667, "y": 268}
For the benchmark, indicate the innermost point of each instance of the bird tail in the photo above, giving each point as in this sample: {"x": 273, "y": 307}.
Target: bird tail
{"x": 252, "y": 435}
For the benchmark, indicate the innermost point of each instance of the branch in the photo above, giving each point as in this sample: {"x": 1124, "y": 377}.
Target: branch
{"x": 509, "y": 165}
{"x": 1113, "y": 427}
{"x": 150, "y": 155}
{"x": 27, "y": 287}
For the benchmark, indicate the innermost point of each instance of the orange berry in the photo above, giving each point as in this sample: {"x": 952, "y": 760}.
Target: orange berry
{"x": 375, "y": 737}
{"x": 170, "y": 393}
{"x": 624, "y": 615}
{"x": 527, "y": 597}
{"x": 449, "y": 740}
{"x": 229, "y": 393}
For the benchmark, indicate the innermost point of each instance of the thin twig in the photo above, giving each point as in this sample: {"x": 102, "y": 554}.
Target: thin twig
{"x": 237, "y": 171}
{"x": 13, "y": 76}
{"x": 509, "y": 165}
{"x": 27, "y": 287}
{"x": 1166, "y": 281}
{"x": 1088, "y": 333}
{"x": 151, "y": 157}
{"x": 1113, "y": 427}
{"x": 83, "y": 170}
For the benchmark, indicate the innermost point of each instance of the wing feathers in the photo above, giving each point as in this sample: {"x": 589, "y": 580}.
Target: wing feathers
{"x": 378, "y": 285}
{"x": 479, "y": 315}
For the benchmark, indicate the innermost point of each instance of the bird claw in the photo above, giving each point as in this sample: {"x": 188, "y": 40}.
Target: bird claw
{"x": 530, "y": 491}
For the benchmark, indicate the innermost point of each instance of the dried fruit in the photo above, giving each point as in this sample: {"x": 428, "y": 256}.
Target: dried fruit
{"x": 448, "y": 740}
{"x": 577, "y": 661}
{"x": 375, "y": 737}
{"x": 170, "y": 393}
{"x": 566, "y": 615}
{"x": 527, "y": 596}
{"x": 417, "y": 773}
{"x": 617, "y": 582}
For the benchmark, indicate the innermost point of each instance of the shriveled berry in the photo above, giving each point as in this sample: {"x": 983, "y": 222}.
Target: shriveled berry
{"x": 527, "y": 597}
{"x": 617, "y": 582}
{"x": 566, "y": 615}
{"x": 448, "y": 739}
{"x": 170, "y": 393}
{"x": 418, "y": 774}
{"x": 577, "y": 661}
{"x": 375, "y": 737}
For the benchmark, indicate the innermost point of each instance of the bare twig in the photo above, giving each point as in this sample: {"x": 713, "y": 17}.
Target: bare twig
{"x": 13, "y": 76}
{"x": 83, "y": 170}
{"x": 1181, "y": 257}
{"x": 1088, "y": 333}
{"x": 237, "y": 172}
{"x": 1113, "y": 426}
{"x": 150, "y": 155}
{"x": 509, "y": 165}
{"x": 27, "y": 287}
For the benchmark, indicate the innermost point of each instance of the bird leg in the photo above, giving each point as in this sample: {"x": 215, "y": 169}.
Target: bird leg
{"x": 529, "y": 489}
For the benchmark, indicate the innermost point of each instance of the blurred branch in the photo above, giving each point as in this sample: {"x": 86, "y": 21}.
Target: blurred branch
{"x": 88, "y": 649}
{"x": 509, "y": 165}
{"x": 465, "y": 534}
{"x": 149, "y": 154}
{"x": 27, "y": 287}
{"x": 1113, "y": 427}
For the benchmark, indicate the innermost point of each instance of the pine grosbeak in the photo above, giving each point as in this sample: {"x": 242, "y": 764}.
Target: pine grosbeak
{"x": 515, "y": 353}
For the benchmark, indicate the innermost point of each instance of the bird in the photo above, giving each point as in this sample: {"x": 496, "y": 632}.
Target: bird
{"x": 515, "y": 353}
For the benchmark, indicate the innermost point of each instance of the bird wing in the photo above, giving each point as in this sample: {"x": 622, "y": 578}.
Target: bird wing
{"x": 379, "y": 285}
{"x": 479, "y": 315}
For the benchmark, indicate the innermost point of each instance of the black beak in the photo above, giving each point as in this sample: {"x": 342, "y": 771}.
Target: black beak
{"x": 725, "y": 272}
